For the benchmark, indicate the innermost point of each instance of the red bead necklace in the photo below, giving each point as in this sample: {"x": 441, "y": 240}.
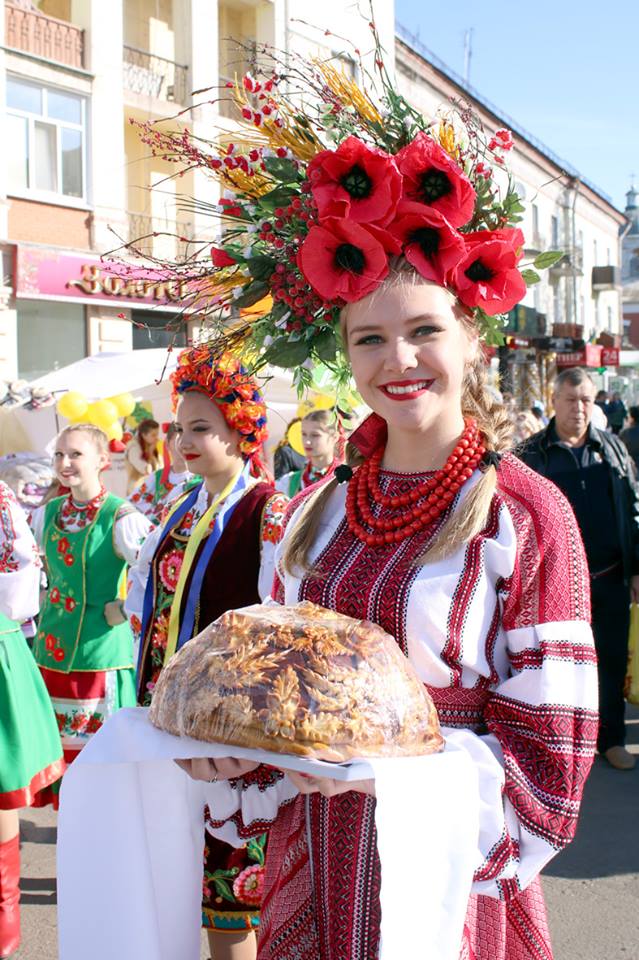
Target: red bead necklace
{"x": 421, "y": 505}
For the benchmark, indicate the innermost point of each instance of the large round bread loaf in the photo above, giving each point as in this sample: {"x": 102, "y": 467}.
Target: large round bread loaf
{"x": 299, "y": 680}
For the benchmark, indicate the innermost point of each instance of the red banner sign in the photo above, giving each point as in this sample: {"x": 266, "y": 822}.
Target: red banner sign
{"x": 588, "y": 356}
{"x": 43, "y": 274}
{"x": 610, "y": 356}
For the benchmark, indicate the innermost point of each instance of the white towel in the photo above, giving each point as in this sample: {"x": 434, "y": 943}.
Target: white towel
{"x": 130, "y": 846}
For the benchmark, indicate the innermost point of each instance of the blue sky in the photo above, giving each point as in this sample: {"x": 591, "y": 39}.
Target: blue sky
{"x": 567, "y": 72}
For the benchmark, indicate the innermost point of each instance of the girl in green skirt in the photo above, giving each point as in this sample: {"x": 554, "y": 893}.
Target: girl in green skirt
{"x": 84, "y": 645}
{"x": 30, "y": 749}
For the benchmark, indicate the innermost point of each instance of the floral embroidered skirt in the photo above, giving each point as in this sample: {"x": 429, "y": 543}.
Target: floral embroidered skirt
{"x": 82, "y": 701}
{"x": 233, "y": 880}
{"x": 30, "y": 750}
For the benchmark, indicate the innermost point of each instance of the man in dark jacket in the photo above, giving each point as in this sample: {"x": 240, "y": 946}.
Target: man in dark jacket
{"x": 593, "y": 469}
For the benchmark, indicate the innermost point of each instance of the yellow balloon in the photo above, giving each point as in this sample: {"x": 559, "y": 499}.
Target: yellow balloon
{"x": 304, "y": 407}
{"x": 124, "y": 403}
{"x": 114, "y": 431}
{"x": 315, "y": 401}
{"x": 323, "y": 402}
{"x": 73, "y": 405}
{"x": 294, "y": 437}
{"x": 102, "y": 413}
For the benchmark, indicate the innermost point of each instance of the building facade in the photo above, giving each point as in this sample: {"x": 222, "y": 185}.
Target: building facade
{"x": 630, "y": 269}
{"x": 77, "y": 182}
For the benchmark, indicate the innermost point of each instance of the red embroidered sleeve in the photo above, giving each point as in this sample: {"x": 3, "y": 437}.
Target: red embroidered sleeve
{"x": 543, "y": 714}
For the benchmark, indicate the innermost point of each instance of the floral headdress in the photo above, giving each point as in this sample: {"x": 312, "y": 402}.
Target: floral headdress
{"x": 225, "y": 381}
{"x": 323, "y": 188}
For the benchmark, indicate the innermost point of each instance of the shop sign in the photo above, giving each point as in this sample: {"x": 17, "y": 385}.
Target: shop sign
{"x": 47, "y": 275}
{"x": 610, "y": 356}
{"x": 588, "y": 356}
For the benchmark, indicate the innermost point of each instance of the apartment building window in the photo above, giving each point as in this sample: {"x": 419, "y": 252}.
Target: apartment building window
{"x": 554, "y": 230}
{"x": 47, "y": 129}
{"x": 535, "y": 219}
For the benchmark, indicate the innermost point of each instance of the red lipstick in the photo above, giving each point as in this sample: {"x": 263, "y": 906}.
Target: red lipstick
{"x": 405, "y": 389}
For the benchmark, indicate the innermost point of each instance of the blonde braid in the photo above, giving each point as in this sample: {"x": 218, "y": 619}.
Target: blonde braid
{"x": 470, "y": 517}
{"x": 298, "y": 543}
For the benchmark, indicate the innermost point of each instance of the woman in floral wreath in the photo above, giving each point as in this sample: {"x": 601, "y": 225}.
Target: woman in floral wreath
{"x": 398, "y": 244}
{"x": 151, "y": 496}
{"x": 321, "y": 439}
{"x": 84, "y": 645}
{"x": 214, "y": 551}
{"x": 30, "y": 749}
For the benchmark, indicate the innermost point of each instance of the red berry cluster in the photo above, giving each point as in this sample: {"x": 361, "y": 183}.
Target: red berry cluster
{"x": 289, "y": 286}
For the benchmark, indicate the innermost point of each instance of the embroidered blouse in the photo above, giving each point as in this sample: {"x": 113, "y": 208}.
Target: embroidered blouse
{"x": 500, "y": 633}
{"x": 20, "y": 564}
{"x": 148, "y": 500}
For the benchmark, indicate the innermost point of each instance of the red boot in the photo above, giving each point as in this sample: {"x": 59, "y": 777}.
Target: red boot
{"x": 9, "y": 896}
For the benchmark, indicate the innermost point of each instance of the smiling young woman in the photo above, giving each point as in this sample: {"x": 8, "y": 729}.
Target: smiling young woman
{"x": 393, "y": 227}
{"x": 213, "y": 551}
{"x": 475, "y": 566}
{"x": 322, "y": 442}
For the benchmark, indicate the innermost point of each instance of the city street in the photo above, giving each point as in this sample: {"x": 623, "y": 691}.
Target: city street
{"x": 592, "y": 888}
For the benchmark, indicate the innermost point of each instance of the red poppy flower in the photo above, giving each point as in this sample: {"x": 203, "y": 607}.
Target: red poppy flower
{"x": 94, "y": 724}
{"x": 433, "y": 178}
{"x": 69, "y": 604}
{"x": 342, "y": 259}
{"x": 221, "y": 258}
{"x": 69, "y": 559}
{"x": 54, "y": 595}
{"x": 58, "y": 655}
{"x": 511, "y": 235}
{"x": 50, "y": 642}
{"x": 428, "y": 241}
{"x": 355, "y": 181}
{"x": 488, "y": 277}
{"x": 63, "y": 545}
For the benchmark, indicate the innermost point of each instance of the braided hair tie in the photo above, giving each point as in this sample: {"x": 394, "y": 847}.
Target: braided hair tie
{"x": 343, "y": 473}
{"x": 490, "y": 459}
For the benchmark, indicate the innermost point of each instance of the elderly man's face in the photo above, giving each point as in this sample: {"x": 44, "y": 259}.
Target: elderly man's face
{"x": 573, "y": 407}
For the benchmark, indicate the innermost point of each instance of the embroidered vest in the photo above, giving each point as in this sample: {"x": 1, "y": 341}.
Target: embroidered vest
{"x": 231, "y": 577}
{"x": 84, "y": 574}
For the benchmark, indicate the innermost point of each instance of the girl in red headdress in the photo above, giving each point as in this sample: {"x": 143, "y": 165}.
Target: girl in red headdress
{"x": 188, "y": 575}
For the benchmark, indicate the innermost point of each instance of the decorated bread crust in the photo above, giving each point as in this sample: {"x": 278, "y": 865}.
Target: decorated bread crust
{"x": 299, "y": 680}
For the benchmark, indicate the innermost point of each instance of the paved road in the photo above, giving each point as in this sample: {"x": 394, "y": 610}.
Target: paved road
{"x": 592, "y": 888}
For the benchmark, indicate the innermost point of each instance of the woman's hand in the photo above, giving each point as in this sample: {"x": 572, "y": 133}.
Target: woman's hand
{"x": 224, "y": 768}
{"x": 327, "y": 786}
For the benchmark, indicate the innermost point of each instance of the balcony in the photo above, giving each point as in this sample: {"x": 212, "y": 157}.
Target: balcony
{"x": 605, "y": 278}
{"x": 152, "y": 76}
{"x": 33, "y": 32}
{"x": 160, "y": 237}
{"x": 570, "y": 265}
